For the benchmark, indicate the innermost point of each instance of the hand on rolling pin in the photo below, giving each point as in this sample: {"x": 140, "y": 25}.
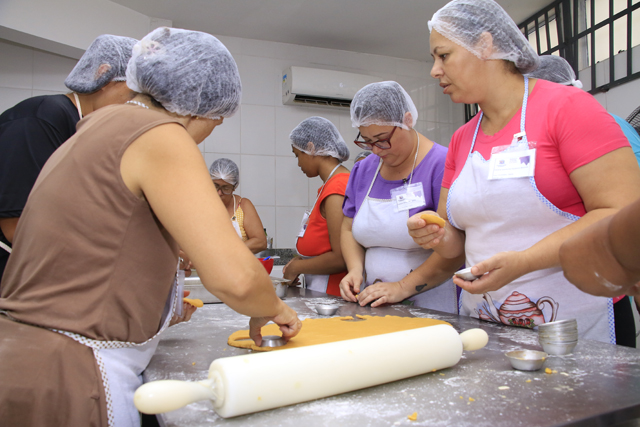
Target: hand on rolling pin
{"x": 289, "y": 272}
{"x": 497, "y": 271}
{"x": 187, "y": 311}
{"x": 287, "y": 319}
{"x": 350, "y": 286}
{"x": 185, "y": 263}
{"x": 427, "y": 231}
{"x": 382, "y": 293}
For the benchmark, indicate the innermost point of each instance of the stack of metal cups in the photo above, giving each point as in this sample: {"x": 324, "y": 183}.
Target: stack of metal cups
{"x": 558, "y": 337}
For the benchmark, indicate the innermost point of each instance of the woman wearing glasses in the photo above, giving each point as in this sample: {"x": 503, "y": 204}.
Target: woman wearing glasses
{"x": 403, "y": 178}
{"x": 244, "y": 217}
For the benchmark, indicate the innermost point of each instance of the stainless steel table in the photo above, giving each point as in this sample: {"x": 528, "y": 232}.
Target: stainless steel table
{"x": 597, "y": 385}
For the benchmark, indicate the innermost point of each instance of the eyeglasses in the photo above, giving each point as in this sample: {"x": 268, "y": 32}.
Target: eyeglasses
{"x": 383, "y": 144}
{"x": 226, "y": 189}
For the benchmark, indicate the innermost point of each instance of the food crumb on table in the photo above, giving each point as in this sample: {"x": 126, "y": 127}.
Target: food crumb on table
{"x": 413, "y": 417}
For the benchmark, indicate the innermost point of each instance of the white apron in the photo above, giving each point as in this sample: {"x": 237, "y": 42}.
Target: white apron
{"x": 391, "y": 253}
{"x": 121, "y": 365}
{"x": 512, "y": 215}
{"x": 314, "y": 282}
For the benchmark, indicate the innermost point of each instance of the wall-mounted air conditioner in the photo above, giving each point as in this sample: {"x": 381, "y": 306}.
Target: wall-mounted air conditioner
{"x": 313, "y": 86}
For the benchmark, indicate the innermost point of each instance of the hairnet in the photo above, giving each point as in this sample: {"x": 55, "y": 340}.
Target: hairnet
{"x": 362, "y": 155}
{"x": 325, "y": 137}
{"x": 555, "y": 69}
{"x": 190, "y": 73}
{"x": 112, "y": 51}
{"x": 383, "y": 104}
{"x": 464, "y": 21}
{"x": 226, "y": 170}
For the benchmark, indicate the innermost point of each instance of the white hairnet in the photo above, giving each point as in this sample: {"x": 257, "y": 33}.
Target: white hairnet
{"x": 383, "y": 104}
{"x": 105, "y": 60}
{"x": 190, "y": 73}
{"x": 464, "y": 21}
{"x": 226, "y": 170}
{"x": 362, "y": 155}
{"x": 325, "y": 137}
{"x": 555, "y": 69}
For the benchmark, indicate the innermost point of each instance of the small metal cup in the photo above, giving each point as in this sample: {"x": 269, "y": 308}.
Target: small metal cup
{"x": 327, "y": 309}
{"x": 527, "y": 360}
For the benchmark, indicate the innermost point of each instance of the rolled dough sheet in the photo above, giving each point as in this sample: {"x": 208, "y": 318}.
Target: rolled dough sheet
{"x": 326, "y": 330}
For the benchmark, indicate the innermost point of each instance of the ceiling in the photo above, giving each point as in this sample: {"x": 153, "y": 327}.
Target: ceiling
{"x": 396, "y": 28}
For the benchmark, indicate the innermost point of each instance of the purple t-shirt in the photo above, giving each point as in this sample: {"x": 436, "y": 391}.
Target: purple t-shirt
{"x": 429, "y": 171}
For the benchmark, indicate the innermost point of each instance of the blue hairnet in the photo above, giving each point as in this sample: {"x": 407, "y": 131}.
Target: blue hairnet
{"x": 226, "y": 170}
{"x": 383, "y": 104}
{"x": 325, "y": 137}
{"x": 464, "y": 21}
{"x": 104, "y": 61}
{"x": 555, "y": 69}
{"x": 189, "y": 72}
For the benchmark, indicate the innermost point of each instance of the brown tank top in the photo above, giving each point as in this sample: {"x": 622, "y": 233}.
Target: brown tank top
{"x": 89, "y": 256}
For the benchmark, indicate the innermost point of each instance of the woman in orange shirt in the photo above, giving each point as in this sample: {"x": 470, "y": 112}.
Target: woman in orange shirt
{"x": 320, "y": 151}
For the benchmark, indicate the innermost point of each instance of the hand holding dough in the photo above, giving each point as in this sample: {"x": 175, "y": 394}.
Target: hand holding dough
{"x": 433, "y": 219}
{"x": 194, "y": 302}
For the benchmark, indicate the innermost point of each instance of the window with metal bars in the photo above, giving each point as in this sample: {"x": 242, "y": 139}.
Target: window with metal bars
{"x": 599, "y": 38}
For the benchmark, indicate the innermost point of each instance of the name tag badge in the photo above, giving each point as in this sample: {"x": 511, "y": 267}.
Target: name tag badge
{"x": 513, "y": 164}
{"x": 304, "y": 223}
{"x": 408, "y": 197}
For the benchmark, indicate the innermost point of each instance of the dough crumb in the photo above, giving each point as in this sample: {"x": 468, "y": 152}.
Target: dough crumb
{"x": 528, "y": 381}
{"x": 413, "y": 417}
{"x": 503, "y": 387}
{"x": 461, "y": 397}
{"x": 548, "y": 371}
{"x": 442, "y": 375}
{"x": 564, "y": 373}
{"x": 193, "y": 364}
{"x": 554, "y": 371}
{"x": 471, "y": 399}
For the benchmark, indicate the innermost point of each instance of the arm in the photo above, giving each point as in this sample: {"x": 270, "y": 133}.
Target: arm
{"x": 430, "y": 274}
{"x": 165, "y": 166}
{"x": 329, "y": 262}
{"x": 8, "y": 227}
{"x": 447, "y": 241}
{"x": 354, "y": 258}
{"x": 605, "y": 185}
{"x": 602, "y": 259}
{"x": 253, "y": 227}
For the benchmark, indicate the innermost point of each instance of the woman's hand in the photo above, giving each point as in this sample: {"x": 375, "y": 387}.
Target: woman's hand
{"x": 289, "y": 271}
{"x": 382, "y": 293}
{"x": 350, "y": 286}
{"x": 187, "y": 311}
{"x": 287, "y": 319}
{"x": 496, "y": 272}
{"x": 426, "y": 235}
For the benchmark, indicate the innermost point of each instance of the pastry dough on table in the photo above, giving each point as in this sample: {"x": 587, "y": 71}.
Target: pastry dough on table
{"x": 325, "y": 330}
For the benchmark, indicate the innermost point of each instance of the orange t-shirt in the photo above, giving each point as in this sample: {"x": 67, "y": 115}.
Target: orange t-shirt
{"x": 316, "y": 239}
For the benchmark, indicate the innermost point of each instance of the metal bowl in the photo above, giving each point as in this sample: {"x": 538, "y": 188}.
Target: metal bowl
{"x": 527, "y": 360}
{"x": 272, "y": 341}
{"x": 559, "y": 348}
{"x": 327, "y": 309}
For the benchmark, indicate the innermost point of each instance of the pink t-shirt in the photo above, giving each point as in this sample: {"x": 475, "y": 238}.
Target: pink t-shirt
{"x": 570, "y": 129}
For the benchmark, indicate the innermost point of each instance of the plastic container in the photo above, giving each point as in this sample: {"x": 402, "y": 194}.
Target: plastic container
{"x": 267, "y": 264}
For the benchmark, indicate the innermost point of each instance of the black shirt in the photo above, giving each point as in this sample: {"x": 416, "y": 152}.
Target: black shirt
{"x": 29, "y": 133}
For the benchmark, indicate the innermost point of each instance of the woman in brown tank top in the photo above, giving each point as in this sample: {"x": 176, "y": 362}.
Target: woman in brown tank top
{"x": 96, "y": 248}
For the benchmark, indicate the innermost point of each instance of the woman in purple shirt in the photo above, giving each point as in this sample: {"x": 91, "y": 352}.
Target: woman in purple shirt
{"x": 403, "y": 178}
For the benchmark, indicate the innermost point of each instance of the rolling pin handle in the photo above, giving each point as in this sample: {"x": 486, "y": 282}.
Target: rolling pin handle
{"x": 474, "y": 339}
{"x": 168, "y": 395}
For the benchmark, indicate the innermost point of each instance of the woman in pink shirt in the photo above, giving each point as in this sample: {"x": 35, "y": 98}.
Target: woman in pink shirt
{"x": 537, "y": 165}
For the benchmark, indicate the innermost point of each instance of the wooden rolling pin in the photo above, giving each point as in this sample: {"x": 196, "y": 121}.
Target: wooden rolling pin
{"x": 255, "y": 382}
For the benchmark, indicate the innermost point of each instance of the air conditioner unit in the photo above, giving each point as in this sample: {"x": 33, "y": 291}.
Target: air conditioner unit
{"x": 313, "y": 86}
